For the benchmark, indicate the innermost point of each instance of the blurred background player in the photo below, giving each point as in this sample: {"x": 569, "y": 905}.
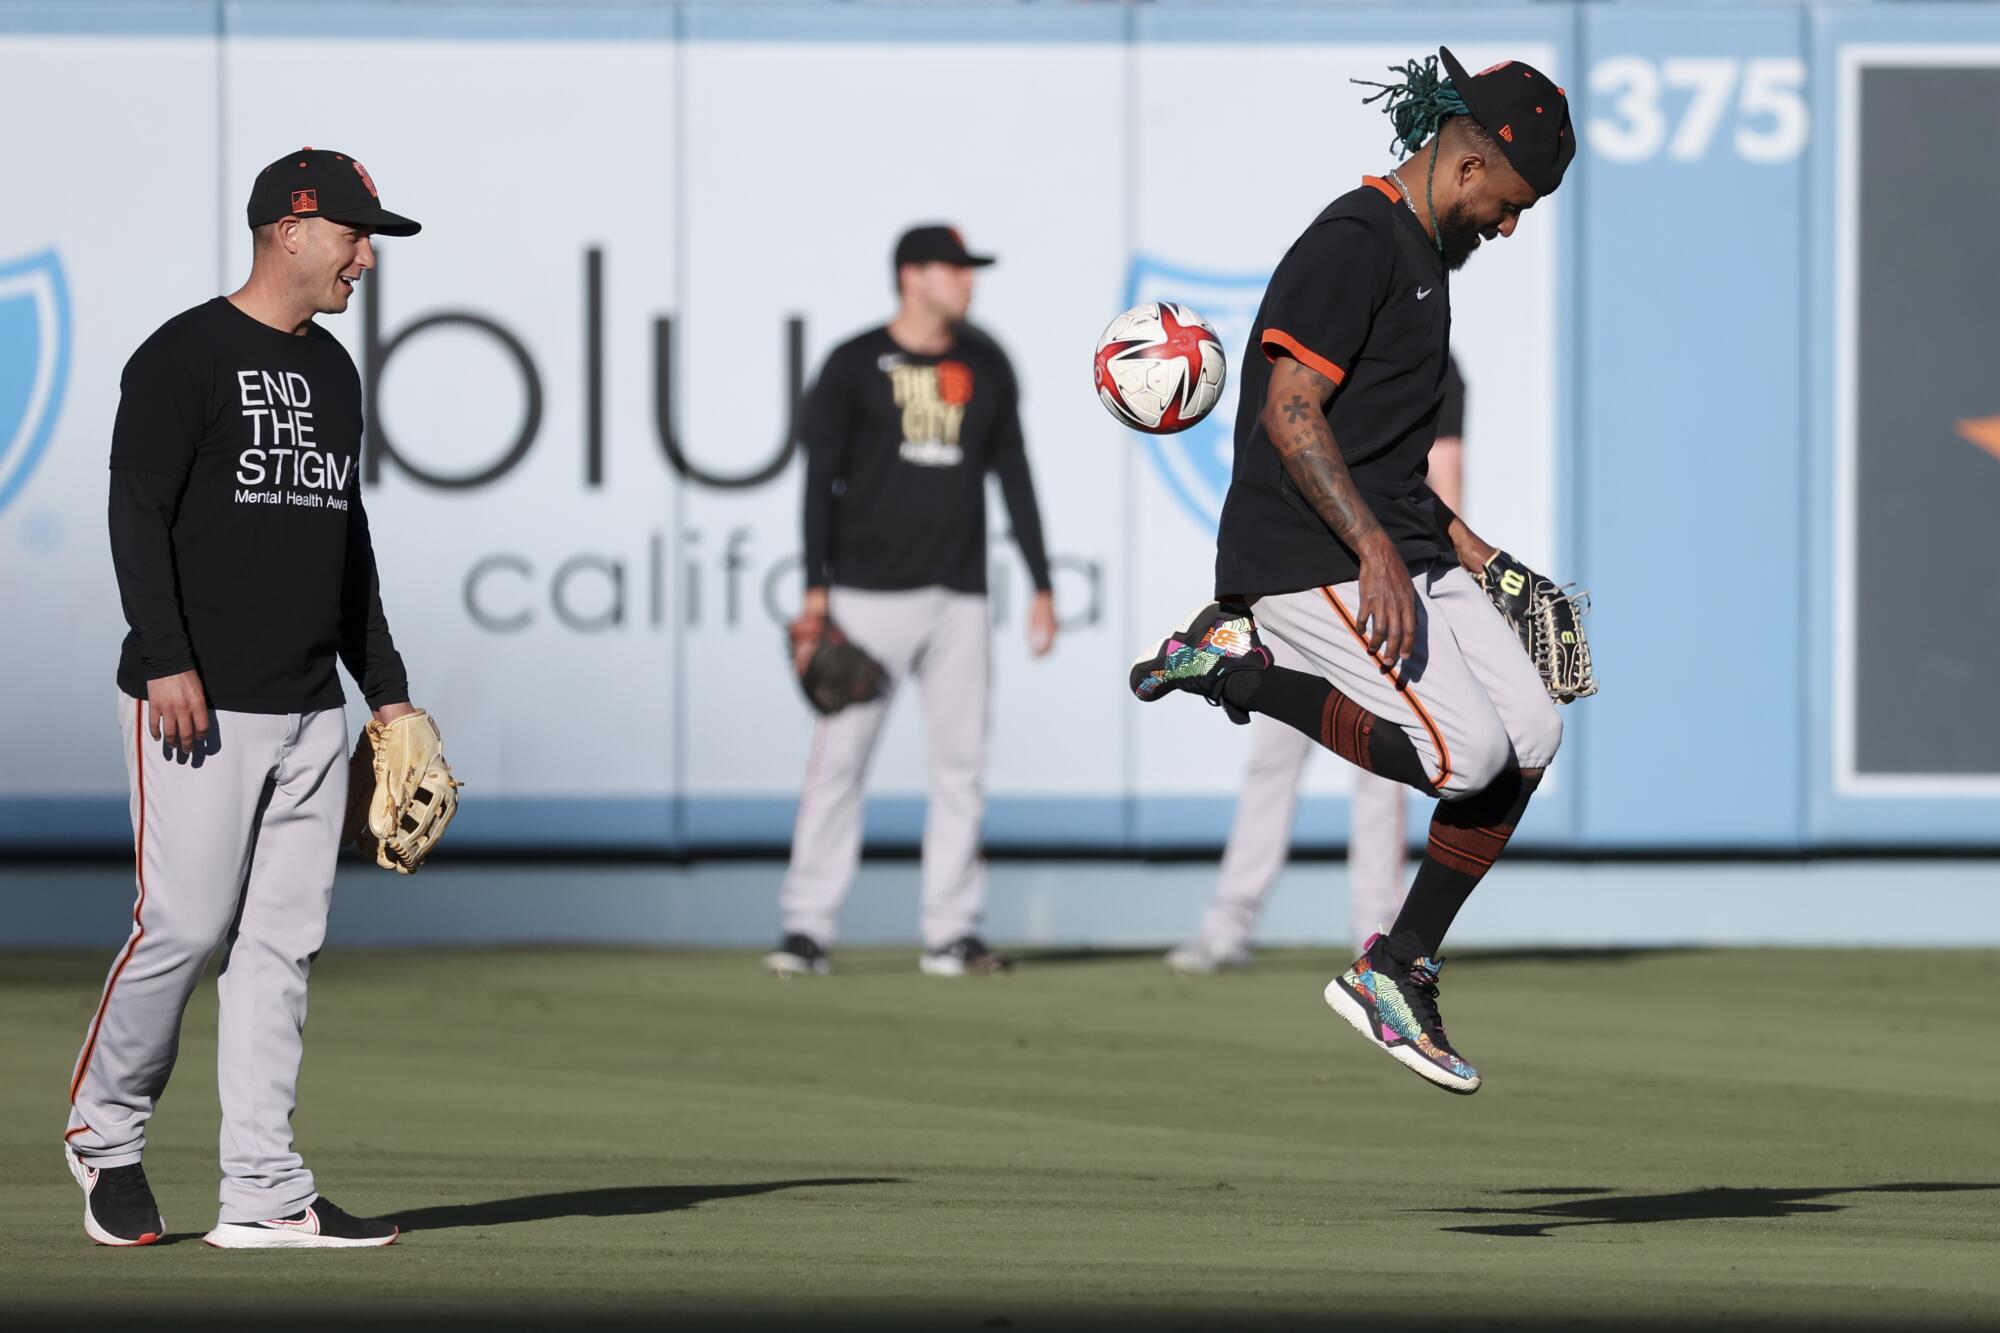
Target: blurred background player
{"x": 900, "y": 430}
{"x": 1260, "y": 838}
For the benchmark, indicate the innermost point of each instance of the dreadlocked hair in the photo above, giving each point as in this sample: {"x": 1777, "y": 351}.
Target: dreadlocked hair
{"x": 1418, "y": 105}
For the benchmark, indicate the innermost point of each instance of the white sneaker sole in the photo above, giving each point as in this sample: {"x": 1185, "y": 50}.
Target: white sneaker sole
{"x": 235, "y": 1236}
{"x": 81, "y": 1174}
{"x": 951, "y": 965}
{"x": 1350, "y": 1009}
{"x": 791, "y": 965}
{"x": 1193, "y": 963}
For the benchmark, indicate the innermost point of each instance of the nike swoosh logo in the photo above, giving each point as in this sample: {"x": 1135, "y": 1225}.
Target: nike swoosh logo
{"x": 309, "y": 1223}
{"x": 1422, "y": 292}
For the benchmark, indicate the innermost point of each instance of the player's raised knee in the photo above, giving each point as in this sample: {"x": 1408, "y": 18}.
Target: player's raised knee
{"x": 1478, "y": 756}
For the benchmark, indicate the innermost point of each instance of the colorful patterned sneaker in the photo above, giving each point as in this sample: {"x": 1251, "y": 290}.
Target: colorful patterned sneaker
{"x": 118, "y": 1207}
{"x": 1199, "y": 656}
{"x": 320, "y": 1225}
{"x": 1396, "y": 1008}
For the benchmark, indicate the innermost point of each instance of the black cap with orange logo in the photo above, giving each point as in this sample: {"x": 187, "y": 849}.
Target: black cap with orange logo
{"x": 1526, "y": 111}
{"x": 936, "y": 243}
{"x": 319, "y": 183}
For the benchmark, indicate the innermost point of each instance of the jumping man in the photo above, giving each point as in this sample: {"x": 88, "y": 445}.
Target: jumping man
{"x": 1260, "y": 837}
{"x": 1331, "y": 537}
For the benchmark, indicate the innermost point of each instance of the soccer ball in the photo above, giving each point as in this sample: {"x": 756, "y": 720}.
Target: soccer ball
{"x": 1159, "y": 367}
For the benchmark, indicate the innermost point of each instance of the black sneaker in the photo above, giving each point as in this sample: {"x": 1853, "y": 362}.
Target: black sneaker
{"x": 1215, "y": 642}
{"x": 320, "y": 1225}
{"x": 118, "y": 1207}
{"x": 798, "y": 956}
{"x": 965, "y": 956}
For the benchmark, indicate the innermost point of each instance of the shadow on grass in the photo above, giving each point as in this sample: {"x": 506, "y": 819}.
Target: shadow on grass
{"x": 1332, "y": 958}
{"x": 1065, "y": 957}
{"x": 891, "y": 1316}
{"x": 621, "y": 1201}
{"x": 1601, "y": 1207}
{"x": 1558, "y": 954}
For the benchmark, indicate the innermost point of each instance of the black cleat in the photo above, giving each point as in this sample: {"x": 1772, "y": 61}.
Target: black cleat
{"x": 320, "y": 1225}
{"x": 798, "y": 956}
{"x": 118, "y": 1207}
{"x": 963, "y": 957}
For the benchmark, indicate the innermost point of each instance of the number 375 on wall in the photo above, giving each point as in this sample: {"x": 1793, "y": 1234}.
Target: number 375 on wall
{"x": 1635, "y": 97}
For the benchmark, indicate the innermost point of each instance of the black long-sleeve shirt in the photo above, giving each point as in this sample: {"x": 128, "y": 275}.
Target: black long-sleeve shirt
{"x": 237, "y": 532}
{"x": 898, "y": 446}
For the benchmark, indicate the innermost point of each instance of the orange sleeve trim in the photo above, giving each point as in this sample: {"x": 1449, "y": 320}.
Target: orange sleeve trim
{"x": 1416, "y": 704}
{"x": 1395, "y": 195}
{"x": 1300, "y": 353}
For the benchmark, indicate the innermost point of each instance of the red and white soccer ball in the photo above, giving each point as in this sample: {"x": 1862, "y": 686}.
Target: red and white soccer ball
{"x": 1160, "y": 367}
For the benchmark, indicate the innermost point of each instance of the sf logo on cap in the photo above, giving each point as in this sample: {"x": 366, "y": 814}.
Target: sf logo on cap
{"x": 305, "y": 201}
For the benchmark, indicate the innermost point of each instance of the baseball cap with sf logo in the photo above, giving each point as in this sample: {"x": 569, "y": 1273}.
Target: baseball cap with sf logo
{"x": 319, "y": 183}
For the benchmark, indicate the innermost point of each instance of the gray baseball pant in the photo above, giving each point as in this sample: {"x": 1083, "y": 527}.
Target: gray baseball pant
{"x": 234, "y": 847}
{"x": 1468, "y": 698}
{"x": 942, "y": 638}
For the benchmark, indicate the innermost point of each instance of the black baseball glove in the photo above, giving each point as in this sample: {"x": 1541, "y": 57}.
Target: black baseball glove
{"x": 840, "y": 673}
{"x": 1548, "y": 619}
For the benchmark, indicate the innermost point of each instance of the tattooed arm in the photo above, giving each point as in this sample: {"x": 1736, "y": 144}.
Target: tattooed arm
{"x": 1294, "y": 418}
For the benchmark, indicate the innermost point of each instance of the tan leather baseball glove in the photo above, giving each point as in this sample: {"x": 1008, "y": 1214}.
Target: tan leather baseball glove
{"x": 401, "y": 794}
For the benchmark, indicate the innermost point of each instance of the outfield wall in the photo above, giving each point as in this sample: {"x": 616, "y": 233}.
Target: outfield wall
{"x": 1729, "y": 378}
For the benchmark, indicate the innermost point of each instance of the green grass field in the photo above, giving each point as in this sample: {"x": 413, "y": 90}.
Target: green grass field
{"x": 1736, "y": 1138}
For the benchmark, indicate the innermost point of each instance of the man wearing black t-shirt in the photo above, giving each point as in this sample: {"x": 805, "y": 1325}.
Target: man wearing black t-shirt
{"x": 900, "y": 431}
{"x": 1260, "y": 836}
{"x": 1331, "y": 538}
{"x": 245, "y": 570}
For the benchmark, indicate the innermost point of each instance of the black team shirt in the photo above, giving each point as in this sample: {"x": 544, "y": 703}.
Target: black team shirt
{"x": 1363, "y": 298}
{"x": 237, "y": 531}
{"x": 897, "y": 451}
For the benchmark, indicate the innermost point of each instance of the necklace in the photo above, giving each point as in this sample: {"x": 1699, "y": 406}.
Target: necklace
{"x": 1404, "y": 190}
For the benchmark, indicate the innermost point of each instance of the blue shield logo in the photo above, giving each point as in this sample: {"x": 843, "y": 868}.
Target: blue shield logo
{"x": 1196, "y": 463}
{"x": 34, "y": 363}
